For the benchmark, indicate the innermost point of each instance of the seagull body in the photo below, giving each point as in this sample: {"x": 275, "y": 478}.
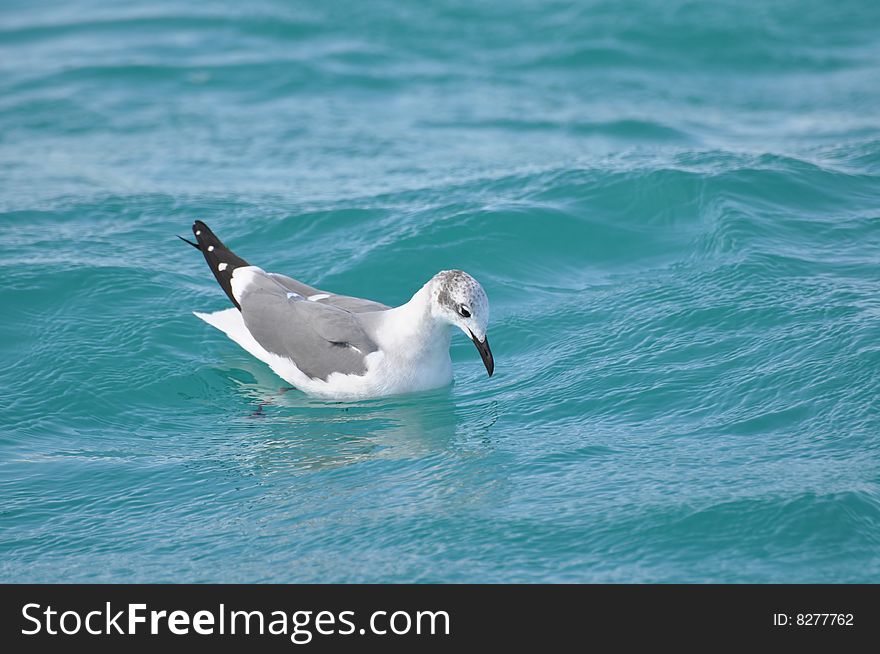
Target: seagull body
{"x": 342, "y": 347}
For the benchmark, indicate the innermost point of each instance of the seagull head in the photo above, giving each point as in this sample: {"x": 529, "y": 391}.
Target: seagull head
{"x": 459, "y": 300}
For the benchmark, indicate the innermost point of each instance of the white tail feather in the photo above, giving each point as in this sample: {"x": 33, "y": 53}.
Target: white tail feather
{"x": 230, "y": 322}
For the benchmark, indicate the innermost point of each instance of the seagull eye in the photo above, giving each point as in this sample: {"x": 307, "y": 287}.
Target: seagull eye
{"x": 463, "y": 311}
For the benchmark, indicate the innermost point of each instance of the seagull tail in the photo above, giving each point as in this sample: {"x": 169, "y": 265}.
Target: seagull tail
{"x": 221, "y": 260}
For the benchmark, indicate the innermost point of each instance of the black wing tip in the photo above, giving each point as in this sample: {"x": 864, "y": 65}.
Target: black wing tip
{"x": 220, "y": 259}
{"x": 186, "y": 240}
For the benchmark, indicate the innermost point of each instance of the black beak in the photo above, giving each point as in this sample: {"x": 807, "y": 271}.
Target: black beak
{"x": 485, "y": 352}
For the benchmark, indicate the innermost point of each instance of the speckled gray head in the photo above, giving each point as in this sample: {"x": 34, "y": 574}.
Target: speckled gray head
{"x": 459, "y": 299}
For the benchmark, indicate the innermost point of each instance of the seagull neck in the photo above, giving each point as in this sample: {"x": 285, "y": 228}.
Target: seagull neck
{"x": 414, "y": 322}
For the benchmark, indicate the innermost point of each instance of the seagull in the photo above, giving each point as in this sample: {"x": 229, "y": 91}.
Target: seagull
{"x": 341, "y": 347}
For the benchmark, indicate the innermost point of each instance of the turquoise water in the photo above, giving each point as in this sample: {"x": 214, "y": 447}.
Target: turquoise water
{"x": 673, "y": 206}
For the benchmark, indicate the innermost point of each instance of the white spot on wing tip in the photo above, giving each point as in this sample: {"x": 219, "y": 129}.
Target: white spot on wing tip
{"x": 222, "y": 267}
{"x": 198, "y": 232}
{"x": 210, "y": 248}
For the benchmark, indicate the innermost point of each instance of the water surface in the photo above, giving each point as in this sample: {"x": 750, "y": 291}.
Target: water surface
{"x": 672, "y": 206}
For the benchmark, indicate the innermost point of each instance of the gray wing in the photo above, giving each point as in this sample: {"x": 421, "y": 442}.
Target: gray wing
{"x": 293, "y": 285}
{"x": 319, "y": 338}
{"x": 352, "y": 304}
